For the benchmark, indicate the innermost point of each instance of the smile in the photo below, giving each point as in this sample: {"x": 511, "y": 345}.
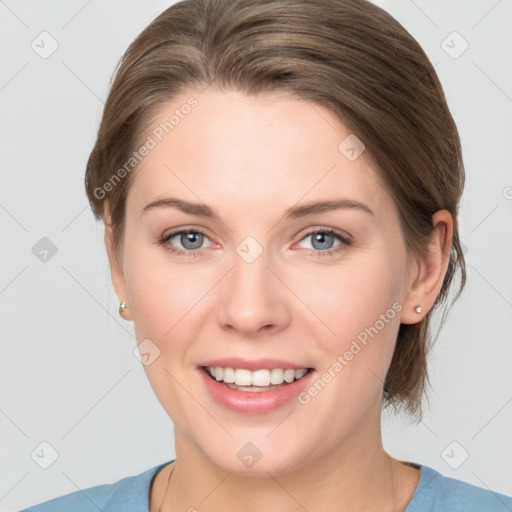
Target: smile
{"x": 255, "y": 391}
{"x": 264, "y": 379}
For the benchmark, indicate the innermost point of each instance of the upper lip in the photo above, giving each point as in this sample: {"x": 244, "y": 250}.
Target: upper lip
{"x": 253, "y": 364}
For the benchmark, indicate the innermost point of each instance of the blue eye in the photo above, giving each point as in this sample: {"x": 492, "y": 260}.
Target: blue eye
{"x": 323, "y": 242}
{"x": 190, "y": 239}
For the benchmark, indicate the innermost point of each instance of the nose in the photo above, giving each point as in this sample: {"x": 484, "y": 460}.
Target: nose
{"x": 252, "y": 298}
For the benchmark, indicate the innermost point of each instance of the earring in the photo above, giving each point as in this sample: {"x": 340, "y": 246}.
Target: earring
{"x": 418, "y": 309}
{"x": 122, "y": 307}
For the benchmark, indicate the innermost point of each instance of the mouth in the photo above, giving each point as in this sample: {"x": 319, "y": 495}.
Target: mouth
{"x": 260, "y": 380}
{"x": 254, "y": 386}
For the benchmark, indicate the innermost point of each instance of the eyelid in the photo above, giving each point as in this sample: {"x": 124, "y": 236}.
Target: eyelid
{"x": 164, "y": 240}
{"x": 325, "y": 229}
{"x": 344, "y": 238}
{"x": 186, "y": 229}
{"x": 345, "y": 241}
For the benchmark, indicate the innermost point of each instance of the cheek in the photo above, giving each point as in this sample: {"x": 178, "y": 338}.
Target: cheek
{"x": 354, "y": 297}
{"x": 361, "y": 306}
{"x": 166, "y": 299}
{"x": 163, "y": 298}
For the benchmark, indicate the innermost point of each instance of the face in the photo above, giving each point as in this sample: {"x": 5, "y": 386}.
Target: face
{"x": 257, "y": 276}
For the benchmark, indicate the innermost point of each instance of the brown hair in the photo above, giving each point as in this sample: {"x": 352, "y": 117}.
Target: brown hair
{"x": 347, "y": 55}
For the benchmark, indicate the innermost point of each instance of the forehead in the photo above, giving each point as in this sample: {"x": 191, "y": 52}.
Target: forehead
{"x": 235, "y": 148}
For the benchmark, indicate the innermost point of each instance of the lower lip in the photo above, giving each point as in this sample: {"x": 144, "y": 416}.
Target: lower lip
{"x": 254, "y": 402}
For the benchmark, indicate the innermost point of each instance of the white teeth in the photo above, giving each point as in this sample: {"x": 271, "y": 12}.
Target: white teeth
{"x": 276, "y": 376}
{"x": 300, "y": 373}
{"x": 261, "y": 378}
{"x": 289, "y": 375}
{"x": 228, "y": 376}
{"x": 243, "y": 377}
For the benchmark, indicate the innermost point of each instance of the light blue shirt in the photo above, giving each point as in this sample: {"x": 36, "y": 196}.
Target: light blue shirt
{"x": 434, "y": 493}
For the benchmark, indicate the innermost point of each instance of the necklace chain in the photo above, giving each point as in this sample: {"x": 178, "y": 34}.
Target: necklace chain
{"x": 167, "y": 488}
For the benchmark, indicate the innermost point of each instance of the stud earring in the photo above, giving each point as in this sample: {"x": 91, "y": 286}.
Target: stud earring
{"x": 122, "y": 308}
{"x": 418, "y": 309}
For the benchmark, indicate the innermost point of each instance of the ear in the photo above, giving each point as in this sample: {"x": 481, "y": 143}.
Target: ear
{"x": 115, "y": 261}
{"x": 427, "y": 274}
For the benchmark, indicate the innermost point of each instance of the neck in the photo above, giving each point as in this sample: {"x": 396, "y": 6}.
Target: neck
{"x": 357, "y": 474}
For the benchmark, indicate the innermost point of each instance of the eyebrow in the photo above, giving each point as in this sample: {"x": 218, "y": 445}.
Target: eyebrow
{"x": 294, "y": 212}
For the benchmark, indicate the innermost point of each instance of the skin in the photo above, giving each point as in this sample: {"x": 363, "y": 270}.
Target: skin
{"x": 251, "y": 158}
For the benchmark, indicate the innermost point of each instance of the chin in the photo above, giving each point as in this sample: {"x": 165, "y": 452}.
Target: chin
{"x": 257, "y": 459}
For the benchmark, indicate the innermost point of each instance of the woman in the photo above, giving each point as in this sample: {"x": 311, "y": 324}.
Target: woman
{"x": 279, "y": 183}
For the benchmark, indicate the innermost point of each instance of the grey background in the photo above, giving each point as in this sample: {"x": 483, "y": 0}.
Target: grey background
{"x": 68, "y": 375}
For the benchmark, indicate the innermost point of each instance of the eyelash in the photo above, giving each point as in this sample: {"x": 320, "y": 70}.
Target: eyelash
{"x": 345, "y": 242}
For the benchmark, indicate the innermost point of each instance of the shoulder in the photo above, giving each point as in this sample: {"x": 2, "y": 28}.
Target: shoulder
{"x": 132, "y": 491}
{"x": 438, "y": 492}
